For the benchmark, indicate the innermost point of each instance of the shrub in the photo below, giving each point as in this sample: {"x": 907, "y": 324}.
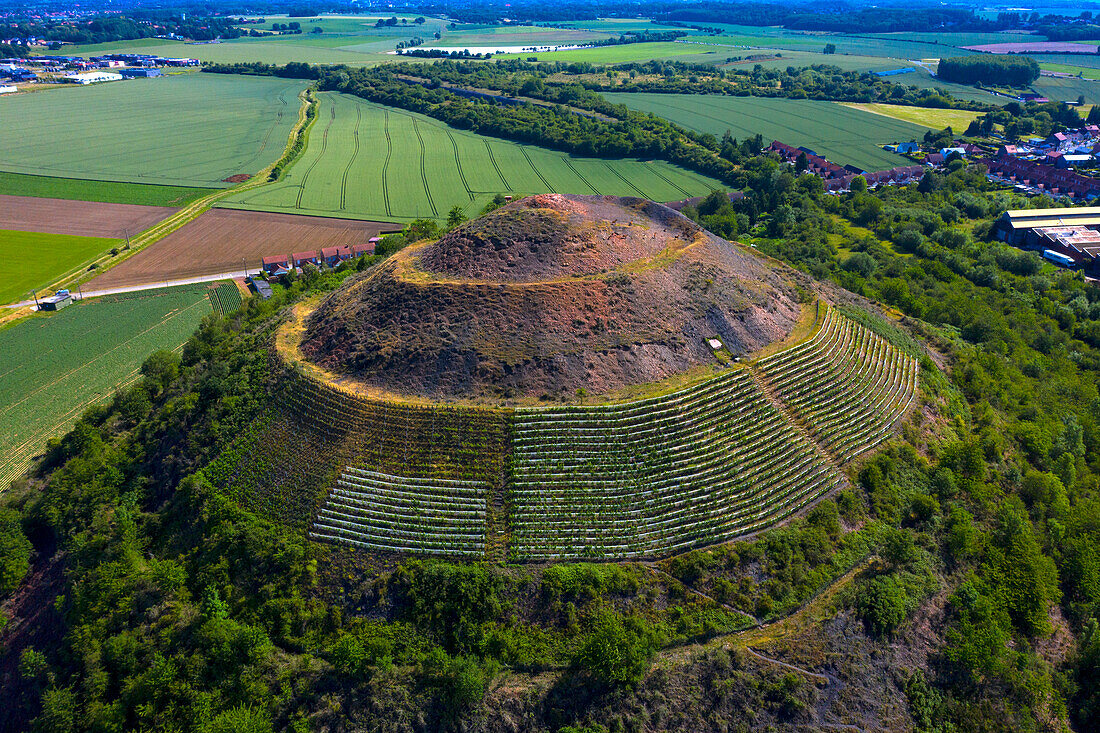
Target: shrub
{"x": 618, "y": 650}
{"x": 15, "y": 551}
{"x": 881, "y": 604}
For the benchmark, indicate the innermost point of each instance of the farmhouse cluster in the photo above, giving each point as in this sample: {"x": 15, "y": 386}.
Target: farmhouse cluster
{"x": 839, "y": 178}
{"x": 278, "y": 265}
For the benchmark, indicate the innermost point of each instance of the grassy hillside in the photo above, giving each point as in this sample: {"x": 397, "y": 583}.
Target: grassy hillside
{"x": 187, "y": 130}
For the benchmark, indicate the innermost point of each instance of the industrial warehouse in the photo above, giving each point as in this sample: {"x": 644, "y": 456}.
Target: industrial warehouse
{"x": 1066, "y": 237}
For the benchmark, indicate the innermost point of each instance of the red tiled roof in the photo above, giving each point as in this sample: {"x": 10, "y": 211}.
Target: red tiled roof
{"x": 274, "y": 260}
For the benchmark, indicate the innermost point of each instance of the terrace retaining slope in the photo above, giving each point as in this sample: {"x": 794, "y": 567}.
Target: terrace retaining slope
{"x": 722, "y": 459}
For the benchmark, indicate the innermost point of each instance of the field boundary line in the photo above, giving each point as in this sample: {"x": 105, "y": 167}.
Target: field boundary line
{"x": 351, "y": 160}
{"x": 423, "y": 169}
{"x": 79, "y": 275}
{"x": 458, "y": 164}
{"x": 274, "y": 124}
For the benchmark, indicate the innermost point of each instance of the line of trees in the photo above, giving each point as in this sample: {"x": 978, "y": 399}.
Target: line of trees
{"x": 1009, "y": 69}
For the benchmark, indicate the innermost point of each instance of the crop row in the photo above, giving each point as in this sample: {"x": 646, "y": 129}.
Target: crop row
{"x": 225, "y": 298}
{"x": 402, "y": 514}
{"x": 847, "y": 384}
{"x": 658, "y": 476}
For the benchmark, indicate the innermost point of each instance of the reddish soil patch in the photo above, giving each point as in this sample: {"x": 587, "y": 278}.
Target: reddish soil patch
{"x": 226, "y": 240}
{"x": 81, "y": 218}
{"x": 1035, "y": 47}
{"x": 549, "y": 295}
{"x": 238, "y": 178}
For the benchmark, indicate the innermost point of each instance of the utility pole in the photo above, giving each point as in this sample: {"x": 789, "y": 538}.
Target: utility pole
{"x": 35, "y": 296}
{"x": 127, "y": 233}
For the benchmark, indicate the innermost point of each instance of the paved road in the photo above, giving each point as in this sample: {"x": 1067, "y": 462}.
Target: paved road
{"x": 80, "y": 295}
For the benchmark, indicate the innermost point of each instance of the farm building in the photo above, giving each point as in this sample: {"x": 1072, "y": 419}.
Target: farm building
{"x": 139, "y": 73}
{"x": 1018, "y": 226}
{"x": 92, "y": 77}
{"x": 906, "y": 148}
{"x": 333, "y": 256}
{"x": 276, "y": 264}
{"x": 5, "y": 89}
{"x": 261, "y": 287}
{"x": 301, "y": 259}
{"x": 55, "y": 302}
{"x": 358, "y": 250}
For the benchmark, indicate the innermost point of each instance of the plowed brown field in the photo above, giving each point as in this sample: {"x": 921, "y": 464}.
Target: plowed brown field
{"x": 227, "y": 240}
{"x": 80, "y": 218}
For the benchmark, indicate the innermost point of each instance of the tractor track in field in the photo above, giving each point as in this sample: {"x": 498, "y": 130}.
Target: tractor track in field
{"x": 458, "y": 164}
{"x": 386, "y": 164}
{"x": 423, "y": 169}
{"x": 593, "y": 189}
{"x": 622, "y": 178}
{"x": 351, "y": 159}
{"x": 536, "y": 170}
{"x": 668, "y": 180}
{"x": 493, "y": 160}
{"x": 267, "y": 135}
{"x": 324, "y": 147}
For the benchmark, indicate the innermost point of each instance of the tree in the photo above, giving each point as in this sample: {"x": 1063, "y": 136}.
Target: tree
{"x": 830, "y": 48}
{"x": 1011, "y": 69}
{"x": 802, "y": 162}
{"x": 859, "y": 184}
{"x": 420, "y": 229}
{"x": 455, "y": 216}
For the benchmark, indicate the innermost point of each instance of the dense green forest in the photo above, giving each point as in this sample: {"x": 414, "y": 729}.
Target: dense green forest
{"x": 1009, "y": 69}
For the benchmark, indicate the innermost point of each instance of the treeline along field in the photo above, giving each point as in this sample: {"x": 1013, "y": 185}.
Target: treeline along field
{"x": 190, "y": 129}
{"x": 841, "y": 134}
{"x": 366, "y": 160}
{"x": 53, "y": 367}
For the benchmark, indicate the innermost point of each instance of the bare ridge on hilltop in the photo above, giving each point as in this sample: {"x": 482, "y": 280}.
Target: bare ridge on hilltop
{"x": 552, "y": 294}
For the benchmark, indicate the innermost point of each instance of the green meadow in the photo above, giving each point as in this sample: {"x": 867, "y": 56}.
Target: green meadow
{"x": 369, "y": 161}
{"x": 841, "y": 134}
{"x": 188, "y": 130}
{"x": 31, "y": 259}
